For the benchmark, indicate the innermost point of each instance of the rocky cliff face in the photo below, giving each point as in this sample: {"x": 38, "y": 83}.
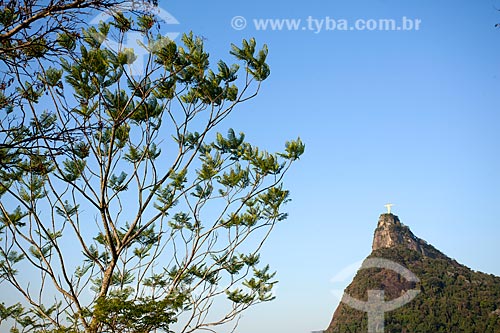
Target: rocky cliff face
{"x": 390, "y": 232}
{"x": 387, "y": 233}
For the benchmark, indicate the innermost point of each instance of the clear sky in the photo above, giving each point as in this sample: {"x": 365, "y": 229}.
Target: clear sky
{"x": 408, "y": 117}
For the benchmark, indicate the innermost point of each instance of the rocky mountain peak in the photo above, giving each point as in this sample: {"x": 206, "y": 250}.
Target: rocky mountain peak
{"x": 390, "y": 232}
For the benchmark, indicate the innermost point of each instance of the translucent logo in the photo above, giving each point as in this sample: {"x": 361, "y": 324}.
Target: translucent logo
{"x": 376, "y": 306}
{"x": 134, "y": 39}
{"x": 342, "y": 279}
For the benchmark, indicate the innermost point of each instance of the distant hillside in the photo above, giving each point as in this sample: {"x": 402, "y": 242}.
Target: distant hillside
{"x": 452, "y": 298}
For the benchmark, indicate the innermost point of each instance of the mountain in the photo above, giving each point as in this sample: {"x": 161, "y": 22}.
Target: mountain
{"x": 407, "y": 285}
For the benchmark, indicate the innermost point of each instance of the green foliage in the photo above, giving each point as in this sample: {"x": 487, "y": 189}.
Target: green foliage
{"x": 145, "y": 315}
{"x": 52, "y": 76}
{"x": 452, "y": 297}
{"x": 256, "y": 65}
{"x": 13, "y": 219}
{"x": 13, "y": 311}
{"x": 74, "y": 169}
{"x": 125, "y": 189}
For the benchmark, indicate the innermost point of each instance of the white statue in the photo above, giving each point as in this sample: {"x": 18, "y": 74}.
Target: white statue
{"x": 388, "y": 206}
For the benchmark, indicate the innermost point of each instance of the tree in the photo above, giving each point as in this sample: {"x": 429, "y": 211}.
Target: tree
{"x": 123, "y": 210}
{"x": 33, "y": 31}
{"x": 30, "y": 27}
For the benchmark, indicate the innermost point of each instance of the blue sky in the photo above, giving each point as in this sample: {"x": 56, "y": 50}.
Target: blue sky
{"x": 408, "y": 117}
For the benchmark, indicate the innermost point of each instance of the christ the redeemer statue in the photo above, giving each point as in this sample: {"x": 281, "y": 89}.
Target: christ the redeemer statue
{"x": 388, "y": 206}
